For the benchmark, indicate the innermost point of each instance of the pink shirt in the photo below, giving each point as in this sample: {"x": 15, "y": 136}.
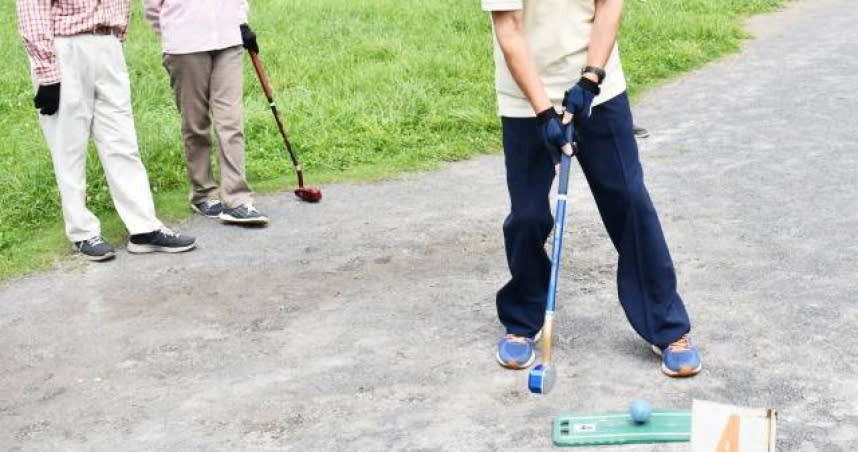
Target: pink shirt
{"x": 189, "y": 26}
{"x": 39, "y": 21}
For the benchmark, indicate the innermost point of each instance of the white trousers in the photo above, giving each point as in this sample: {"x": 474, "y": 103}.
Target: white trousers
{"x": 95, "y": 101}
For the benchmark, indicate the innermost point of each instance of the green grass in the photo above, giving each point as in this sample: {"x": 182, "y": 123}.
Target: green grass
{"x": 369, "y": 89}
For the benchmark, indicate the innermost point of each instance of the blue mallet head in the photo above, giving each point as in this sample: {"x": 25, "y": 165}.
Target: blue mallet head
{"x": 640, "y": 410}
{"x": 541, "y": 379}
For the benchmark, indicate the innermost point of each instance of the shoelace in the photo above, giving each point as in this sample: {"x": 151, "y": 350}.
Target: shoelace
{"x": 211, "y": 203}
{"x": 168, "y": 232}
{"x": 95, "y": 241}
{"x": 516, "y": 339}
{"x": 250, "y": 208}
{"x": 680, "y": 345}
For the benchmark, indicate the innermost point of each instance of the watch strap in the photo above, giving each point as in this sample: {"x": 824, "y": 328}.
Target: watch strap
{"x": 597, "y": 71}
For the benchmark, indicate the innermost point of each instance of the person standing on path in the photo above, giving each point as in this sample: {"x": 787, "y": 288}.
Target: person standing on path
{"x": 553, "y": 52}
{"x": 82, "y": 91}
{"x": 202, "y": 52}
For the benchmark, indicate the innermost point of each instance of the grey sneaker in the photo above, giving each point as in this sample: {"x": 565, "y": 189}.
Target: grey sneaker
{"x": 640, "y": 132}
{"x": 244, "y": 214}
{"x": 163, "y": 240}
{"x": 95, "y": 249}
{"x": 209, "y": 209}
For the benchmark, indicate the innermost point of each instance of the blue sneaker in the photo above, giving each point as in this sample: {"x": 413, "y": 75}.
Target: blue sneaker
{"x": 515, "y": 352}
{"x": 680, "y": 359}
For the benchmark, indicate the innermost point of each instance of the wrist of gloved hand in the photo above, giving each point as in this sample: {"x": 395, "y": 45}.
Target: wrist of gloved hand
{"x": 248, "y": 38}
{"x": 47, "y": 99}
{"x": 590, "y": 86}
{"x": 547, "y": 115}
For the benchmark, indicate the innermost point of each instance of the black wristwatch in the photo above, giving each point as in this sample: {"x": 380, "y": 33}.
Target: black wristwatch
{"x": 597, "y": 71}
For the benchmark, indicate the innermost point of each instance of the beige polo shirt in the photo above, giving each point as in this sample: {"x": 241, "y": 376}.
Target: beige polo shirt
{"x": 558, "y": 33}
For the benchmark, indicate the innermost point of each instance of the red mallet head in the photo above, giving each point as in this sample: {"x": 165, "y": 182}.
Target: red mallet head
{"x": 309, "y": 194}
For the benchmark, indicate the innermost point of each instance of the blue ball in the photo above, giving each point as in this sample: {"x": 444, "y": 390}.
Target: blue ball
{"x": 640, "y": 410}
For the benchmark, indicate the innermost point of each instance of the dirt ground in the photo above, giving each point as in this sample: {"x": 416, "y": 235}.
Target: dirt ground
{"x": 367, "y": 322}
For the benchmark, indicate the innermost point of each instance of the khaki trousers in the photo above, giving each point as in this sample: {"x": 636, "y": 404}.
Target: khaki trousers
{"x": 208, "y": 87}
{"x": 95, "y": 101}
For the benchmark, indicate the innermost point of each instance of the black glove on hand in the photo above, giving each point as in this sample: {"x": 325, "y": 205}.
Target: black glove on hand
{"x": 580, "y": 97}
{"x": 553, "y": 132}
{"x": 248, "y": 39}
{"x": 47, "y": 99}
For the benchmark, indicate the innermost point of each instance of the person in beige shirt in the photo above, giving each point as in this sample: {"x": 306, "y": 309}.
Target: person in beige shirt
{"x": 550, "y": 53}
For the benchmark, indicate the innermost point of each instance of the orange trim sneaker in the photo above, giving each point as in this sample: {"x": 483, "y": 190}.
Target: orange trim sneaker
{"x": 680, "y": 359}
{"x": 515, "y": 352}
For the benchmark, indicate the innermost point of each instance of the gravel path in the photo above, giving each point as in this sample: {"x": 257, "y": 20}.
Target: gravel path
{"x": 368, "y": 322}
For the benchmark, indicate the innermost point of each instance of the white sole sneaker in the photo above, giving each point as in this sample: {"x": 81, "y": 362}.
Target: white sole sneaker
{"x": 259, "y": 221}
{"x": 516, "y": 366}
{"x": 134, "y": 248}
{"x": 105, "y": 257}
{"x": 683, "y": 372}
{"x": 200, "y": 213}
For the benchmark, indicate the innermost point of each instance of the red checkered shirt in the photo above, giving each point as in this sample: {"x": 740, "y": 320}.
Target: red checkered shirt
{"x": 40, "y": 20}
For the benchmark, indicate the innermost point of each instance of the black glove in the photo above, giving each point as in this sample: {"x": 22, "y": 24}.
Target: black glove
{"x": 553, "y": 132}
{"x": 248, "y": 39}
{"x": 580, "y": 97}
{"x": 47, "y": 99}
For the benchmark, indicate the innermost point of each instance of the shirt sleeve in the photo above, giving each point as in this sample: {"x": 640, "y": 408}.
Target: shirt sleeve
{"x": 152, "y": 10}
{"x": 37, "y": 32}
{"x": 503, "y": 5}
{"x": 243, "y": 11}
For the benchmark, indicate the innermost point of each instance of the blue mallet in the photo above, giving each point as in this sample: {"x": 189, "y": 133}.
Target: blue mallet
{"x": 640, "y": 410}
{"x": 542, "y": 377}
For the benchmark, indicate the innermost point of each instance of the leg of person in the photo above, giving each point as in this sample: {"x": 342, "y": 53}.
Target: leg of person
{"x": 67, "y": 135}
{"x": 646, "y": 279}
{"x": 521, "y": 302}
{"x": 190, "y": 76}
{"x": 226, "y": 106}
{"x": 116, "y": 140}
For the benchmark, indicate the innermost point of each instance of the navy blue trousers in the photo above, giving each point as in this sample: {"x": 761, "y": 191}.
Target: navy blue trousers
{"x": 608, "y": 155}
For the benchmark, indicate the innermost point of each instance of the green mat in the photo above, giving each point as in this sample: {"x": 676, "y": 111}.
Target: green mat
{"x": 664, "y": 426}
